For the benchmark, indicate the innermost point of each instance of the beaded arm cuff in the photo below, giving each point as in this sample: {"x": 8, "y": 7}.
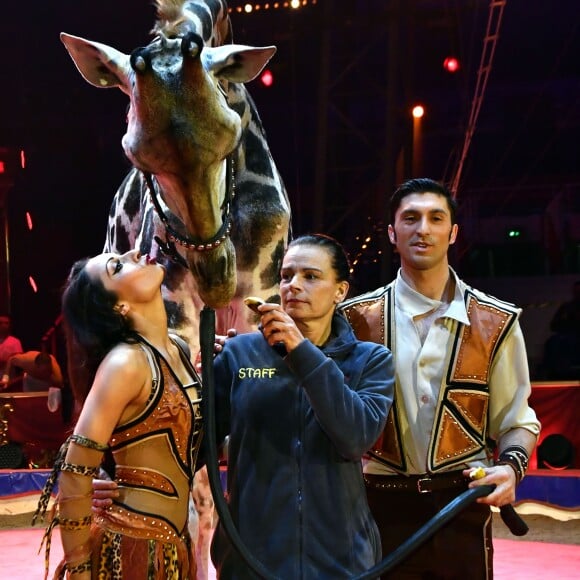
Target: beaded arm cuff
{"x": 517, "y": 458}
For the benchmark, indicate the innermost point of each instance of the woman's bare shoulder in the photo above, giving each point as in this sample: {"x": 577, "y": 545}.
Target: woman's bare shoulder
{"x": 125, "y": 364}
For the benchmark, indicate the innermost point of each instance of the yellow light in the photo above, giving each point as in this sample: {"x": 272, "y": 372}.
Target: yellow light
{"x": 291, "y": 4}
{"x": 418, "y": 111}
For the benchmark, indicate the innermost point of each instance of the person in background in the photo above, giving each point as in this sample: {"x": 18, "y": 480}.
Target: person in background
{"x": 139, "y": 398}
{"x": 302, "y": 400}
{"x": 567, "y": 317}
{"x": 561, "y": 360}
{"x": 461, "y": 393}
{"x": 9, "y": 345}
{"x": 38, "y": 371}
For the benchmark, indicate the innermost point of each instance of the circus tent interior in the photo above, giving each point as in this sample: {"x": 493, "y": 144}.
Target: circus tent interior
{"x": 499, "y": 125}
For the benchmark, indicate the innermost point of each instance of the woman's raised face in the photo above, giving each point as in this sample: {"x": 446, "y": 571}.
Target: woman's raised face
{"x": 131, "y": 276}
{"x": 308, "y": 285}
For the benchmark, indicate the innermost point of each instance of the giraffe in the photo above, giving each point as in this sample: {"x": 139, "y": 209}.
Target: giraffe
{"x": 204, "y": 195}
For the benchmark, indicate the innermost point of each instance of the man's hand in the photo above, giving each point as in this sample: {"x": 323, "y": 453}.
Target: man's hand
{"x": 104, "y": 490}
{"x": 503, "y": 477}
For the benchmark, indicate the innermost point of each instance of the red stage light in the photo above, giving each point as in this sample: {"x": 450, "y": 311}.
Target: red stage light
{"x": 32, "y": 283}
{"x": 267, "y": 78}
{"x": 451, "y": 64}
{"x": 2, "y": 167}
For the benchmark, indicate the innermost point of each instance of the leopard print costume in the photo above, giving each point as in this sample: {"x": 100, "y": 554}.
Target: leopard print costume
{"x": 144, "y": 534}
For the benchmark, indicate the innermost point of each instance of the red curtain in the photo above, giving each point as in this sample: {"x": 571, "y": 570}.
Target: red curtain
{"x": 30, "y": 421}
{"x": 557, "y": 406}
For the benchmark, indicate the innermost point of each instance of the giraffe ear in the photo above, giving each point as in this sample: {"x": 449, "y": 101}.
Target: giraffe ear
{"x": 100, "y": 65}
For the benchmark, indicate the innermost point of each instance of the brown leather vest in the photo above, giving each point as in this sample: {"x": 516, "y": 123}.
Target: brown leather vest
{"x": 459, "y": 432}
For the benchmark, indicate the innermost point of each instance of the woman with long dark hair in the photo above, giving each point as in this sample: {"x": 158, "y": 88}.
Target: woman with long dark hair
{"x": 138, "y": 396}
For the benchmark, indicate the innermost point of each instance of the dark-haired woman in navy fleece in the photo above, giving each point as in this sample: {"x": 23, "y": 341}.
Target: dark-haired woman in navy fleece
{"x": 302, "y": 400}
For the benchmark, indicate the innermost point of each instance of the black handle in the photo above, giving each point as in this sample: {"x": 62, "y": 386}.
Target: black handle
{"x": 513, "y": 520}
{"x": 207, "y": 341}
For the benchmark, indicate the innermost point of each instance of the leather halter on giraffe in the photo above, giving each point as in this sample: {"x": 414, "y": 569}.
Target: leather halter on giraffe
{"x": 204, "y": 195}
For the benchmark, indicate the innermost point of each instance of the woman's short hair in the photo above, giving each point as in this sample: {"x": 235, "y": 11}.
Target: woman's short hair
{"x": 339, "y": 258}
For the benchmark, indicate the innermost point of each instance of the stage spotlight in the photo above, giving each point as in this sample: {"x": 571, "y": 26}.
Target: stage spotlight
{"x": 555, "y": 452}
{"x": 451, "y": 64}
{"x": 267, "y": 78}
{"x": 418, "y": 111}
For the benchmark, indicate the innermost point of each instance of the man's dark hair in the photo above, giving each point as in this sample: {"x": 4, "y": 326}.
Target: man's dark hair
{"x": 42, "y": 359}
{"x": 421, "y": 185}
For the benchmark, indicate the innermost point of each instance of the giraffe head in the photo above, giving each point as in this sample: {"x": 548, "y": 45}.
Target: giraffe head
{"x": 181, "y": 129}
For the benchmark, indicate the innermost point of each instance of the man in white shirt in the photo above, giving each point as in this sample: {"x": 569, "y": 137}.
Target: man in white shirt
{"x": 462, "y": 386}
